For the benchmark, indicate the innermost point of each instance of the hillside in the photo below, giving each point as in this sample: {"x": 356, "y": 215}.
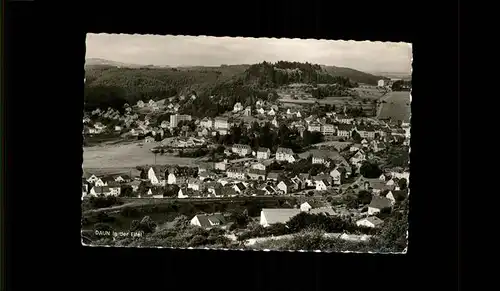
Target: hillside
{"x": 357, "y": 76}
{"x": 219, "y": 87}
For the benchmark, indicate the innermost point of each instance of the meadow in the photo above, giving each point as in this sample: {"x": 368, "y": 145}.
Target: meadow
{"x": 397, "y": 106}
{"x": 128, "y": 155}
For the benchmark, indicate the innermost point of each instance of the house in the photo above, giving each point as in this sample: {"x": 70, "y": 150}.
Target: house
{"x": 100, "y": 190}
{"x": 164, "y": 124}
{"x": 207, "y": 123}
{"x": 208, "y": 221}
{"x": 222, "y": 166}
{"x": 337, "y": 175}
{"x": 287, "y": 186}
{"x": 306, "y": 206}
{"x": 181, "y": 193}
{"x": 274, "y": 122}
{"x": 284, "y": 154}
{"x": 345, "y": 130}
{"x": 241, "y": 149}
{"x": 247, "y": 111}
{"x": 221, "y": 123}
{"x": 171, "y": 179}
{"x": 257, "y": 174}
{"x": 358, "y": 158}
{"x": 118, "y": 128}
{"x": 268, "y": 190}
{"x": 263, "y": 153}
{"x": 149, "y": 139}
{"x": 397, "y": 195}
{"x": 261, "y": 111}
{"x": 327, "y": 129}
{"x": 328, "y": 211}
{"x": 195, "y": 184}
{"x": 140, "y": 103}
{"x": 342, "y": 118}
{"x": 277, "y": 215}
{"x": 366, "y": 132}
{"x": 275, "y": 175}
{"x": 271, "y": 112}
{"x": 299, "y": 182}
{"x": 237, "y": 107}
{"x": 377, "y": 204}
{"x": 135, "y": 185}
{"x": 321, "y": 185}
{"x": 371, "y": 221}
{"x": 258, "y": 166}
{"x": 381, "y": 83}
{"x": 236, "y": 173}
{"x": 239, "y": 187}
{"x": 314, "y": 127}
{"x": 306, "y": 178}
{"x": 155, "y": 176}
{"x": 91, "y": 178}
{"x": 374, "y": 185}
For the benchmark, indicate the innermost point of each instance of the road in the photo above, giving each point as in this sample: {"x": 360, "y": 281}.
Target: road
{"x": 381, "y": 105}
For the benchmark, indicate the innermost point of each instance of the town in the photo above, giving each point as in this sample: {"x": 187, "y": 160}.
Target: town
{"x": 262, "y": 153}
{"x": 330, "y": 159}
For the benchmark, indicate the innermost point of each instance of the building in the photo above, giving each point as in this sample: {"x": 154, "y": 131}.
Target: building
{"x": 284, "y": 154}
{"x": 345, "y": 130}
{"x": 209, "y": 220}
{"x": 371, "y": 221}
{"x": 307, "y": 206}
{"x": 155, "y": 176}
{"x": 248, "y": 111}
{"x": 176, "y": 118}
{"x": 287, "y": 186}
{"x": 221, "y": 123}
{"x": 237, "y": 107}
{"x": 377, "y": 204}
{"x": 327, "y": 129}
{"x": 256, "y": 174}
{"x": 241, "y": 149}
{"x": 258, "y": 166}
{"x": 277, "y": 215}
{"x": 263, "y": 153}
{"x": 314, "y": 127}
{"x": 236, "y": 173}
{"x": 342, "y": 118}
{"x": 381, "y": 83}
{"x": 222, "y": 166}
{"x": 207, "y": 123}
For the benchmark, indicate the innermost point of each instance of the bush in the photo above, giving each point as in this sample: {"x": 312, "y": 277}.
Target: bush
{"x": 104, "y": 202}
{"x": 146, "y": 225}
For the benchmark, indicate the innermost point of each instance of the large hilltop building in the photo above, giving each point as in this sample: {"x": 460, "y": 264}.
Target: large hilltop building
{"x": 176, "y": 118}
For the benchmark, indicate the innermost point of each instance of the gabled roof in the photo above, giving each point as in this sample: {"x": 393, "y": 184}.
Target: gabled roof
{"x": 380, "y": 202}
{"x": 206, "y": 220}
{"x": 262, "y": 149}
{"x": 374, "y": 220}
{"x": 98, "y": 189}
{"x": 284, "y": 150}
{"x": 287, "y": 182}
{"x": 323, "y": 210}
{"x": 106, "y": 179}
{"x": 279, "y": 215}
{"x": 257, "y": 172}
{"x": 313, "y": 204}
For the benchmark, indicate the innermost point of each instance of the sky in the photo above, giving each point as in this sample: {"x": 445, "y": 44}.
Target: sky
{"x": 176, "y": 51}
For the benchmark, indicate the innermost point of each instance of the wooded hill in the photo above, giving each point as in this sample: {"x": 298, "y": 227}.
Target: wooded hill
{"x": 110, "y": 86}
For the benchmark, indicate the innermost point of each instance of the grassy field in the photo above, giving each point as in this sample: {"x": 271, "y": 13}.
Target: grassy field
{"x": 125, "y": 156}
{"x": 397, "y": 106}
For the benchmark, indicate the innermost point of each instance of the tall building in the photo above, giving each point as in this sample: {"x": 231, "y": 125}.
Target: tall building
{"x": 176, "y": 118}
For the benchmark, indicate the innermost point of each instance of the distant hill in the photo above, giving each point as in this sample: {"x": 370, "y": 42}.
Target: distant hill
{"x": 93, "y": 62}
{"x": 113, "y": 84}
{"x": 358, "y": 76}
{"x": 394, "y": 75}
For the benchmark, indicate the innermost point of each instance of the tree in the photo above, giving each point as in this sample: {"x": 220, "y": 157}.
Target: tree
{"x": 356, "y": 136}
{"x": 370, "y": 170}
{"x": 143, "y": 174}
{"x": 126, "y": 191}
{"x": 364, "y": 197}
{"x": 146, "y": 225}
{"x": 171, "y": 190}
{"x": 402, "y": 183}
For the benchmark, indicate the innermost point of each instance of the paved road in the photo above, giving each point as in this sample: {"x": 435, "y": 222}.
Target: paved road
{"x": 381, "y": 105}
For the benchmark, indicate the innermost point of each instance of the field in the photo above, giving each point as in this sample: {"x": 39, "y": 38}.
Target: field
{"x": 397, "y": 106}
{"x": 129, "y": 155}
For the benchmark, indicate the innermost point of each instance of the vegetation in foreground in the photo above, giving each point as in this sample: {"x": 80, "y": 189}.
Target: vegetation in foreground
{"x": 306, "y": 230}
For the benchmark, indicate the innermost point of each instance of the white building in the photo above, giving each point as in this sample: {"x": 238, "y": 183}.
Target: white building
{"x": 176, "y": 118}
